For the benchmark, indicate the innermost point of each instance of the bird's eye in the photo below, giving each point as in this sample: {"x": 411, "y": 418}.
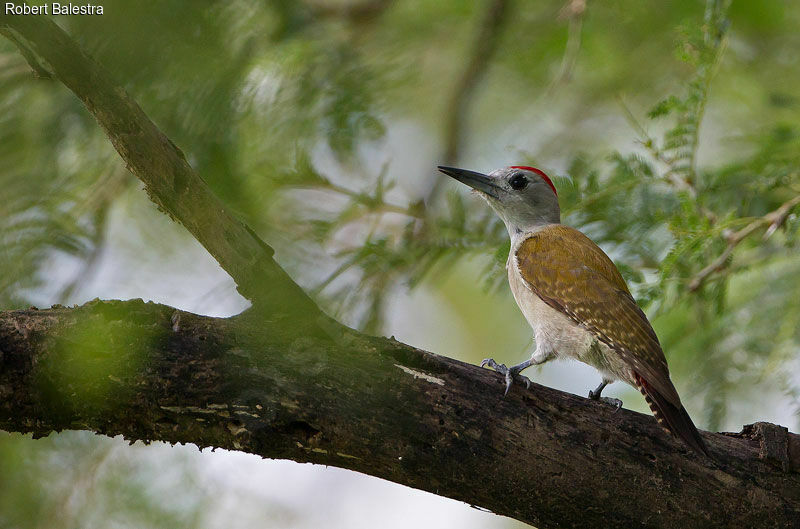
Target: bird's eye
{"x": 518, "y": 181}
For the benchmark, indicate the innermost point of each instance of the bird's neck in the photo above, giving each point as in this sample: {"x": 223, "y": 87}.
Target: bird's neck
{"x": 518, "y": 233}
{"x": 527, "y": 220}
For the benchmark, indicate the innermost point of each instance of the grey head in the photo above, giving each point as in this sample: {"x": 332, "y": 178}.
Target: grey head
{"x": 523, "y": 196}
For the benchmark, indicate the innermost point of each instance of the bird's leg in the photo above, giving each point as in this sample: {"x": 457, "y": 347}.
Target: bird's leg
{"x": 508, "y": 372}
{"x": 595, "y": 395}
{"x": 538, "y": 357}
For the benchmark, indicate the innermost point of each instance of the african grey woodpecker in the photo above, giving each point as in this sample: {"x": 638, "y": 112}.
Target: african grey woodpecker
{"x": 574, "y": 298}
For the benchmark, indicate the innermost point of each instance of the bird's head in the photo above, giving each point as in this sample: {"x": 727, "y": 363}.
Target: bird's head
{"x": 524, "y": 197}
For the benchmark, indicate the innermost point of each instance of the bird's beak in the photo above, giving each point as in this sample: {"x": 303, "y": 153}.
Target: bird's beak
{"x": 477, "y": 181}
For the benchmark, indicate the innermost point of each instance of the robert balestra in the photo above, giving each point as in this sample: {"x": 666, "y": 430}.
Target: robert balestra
{"x": 53, "y": 9}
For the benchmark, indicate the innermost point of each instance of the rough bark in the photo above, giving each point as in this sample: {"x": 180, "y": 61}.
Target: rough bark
{"x": 335, "y": 397}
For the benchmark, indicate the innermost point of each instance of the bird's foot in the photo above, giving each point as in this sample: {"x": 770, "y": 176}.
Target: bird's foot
{"x": 595, "y": 395}
{"x": 613, "y": 402}
{"x": 508, "y": 372}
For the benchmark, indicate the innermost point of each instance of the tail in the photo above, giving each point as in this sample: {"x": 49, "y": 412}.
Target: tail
{"x": 673, "y": 418}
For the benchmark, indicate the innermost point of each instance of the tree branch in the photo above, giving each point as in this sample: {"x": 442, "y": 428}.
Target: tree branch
{"x": 574, "y": 11}
{"x": 383, "y": 408}
{"x": 160, "y": 165}
{"x": 772, "y": 220}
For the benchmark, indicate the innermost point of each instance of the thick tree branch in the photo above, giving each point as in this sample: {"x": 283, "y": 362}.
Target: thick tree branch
{"x": 383, "y": 408}
{"x": 159, "y": 164}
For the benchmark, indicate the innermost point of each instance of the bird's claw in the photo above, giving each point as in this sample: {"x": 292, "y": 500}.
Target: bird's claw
{"x": 507, "y": 372}
{"x": 494, "y": 365}
{"x": 594, "y": 394}
{"x": 617, "y": 403}
{"x": 612, "y": 401}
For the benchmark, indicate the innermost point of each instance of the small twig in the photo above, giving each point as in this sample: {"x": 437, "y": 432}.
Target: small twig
{"x": 649, "y": 143}
{"x": 365, "y": 200}
{"x": 779, "y": 216}
{"x": 773, "y": 220}
{"x": 574, "y": 11}
{"x": 672, "y": 174}
{"x": 708, "y": 75}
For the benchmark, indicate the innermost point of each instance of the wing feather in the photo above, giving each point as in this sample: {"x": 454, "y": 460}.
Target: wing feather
{"x": 572, "y": 274}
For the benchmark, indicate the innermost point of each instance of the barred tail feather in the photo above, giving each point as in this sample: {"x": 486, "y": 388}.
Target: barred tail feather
{"x": 673, "y": 418}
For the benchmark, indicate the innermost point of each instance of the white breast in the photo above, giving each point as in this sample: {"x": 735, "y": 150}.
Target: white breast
{"x": 553, "y": 331}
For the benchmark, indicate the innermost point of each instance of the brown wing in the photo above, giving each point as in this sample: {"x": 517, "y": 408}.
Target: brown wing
{"x": 571, "y": 273}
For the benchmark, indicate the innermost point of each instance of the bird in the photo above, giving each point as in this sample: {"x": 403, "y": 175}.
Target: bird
{"x": 574, "y": 297}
